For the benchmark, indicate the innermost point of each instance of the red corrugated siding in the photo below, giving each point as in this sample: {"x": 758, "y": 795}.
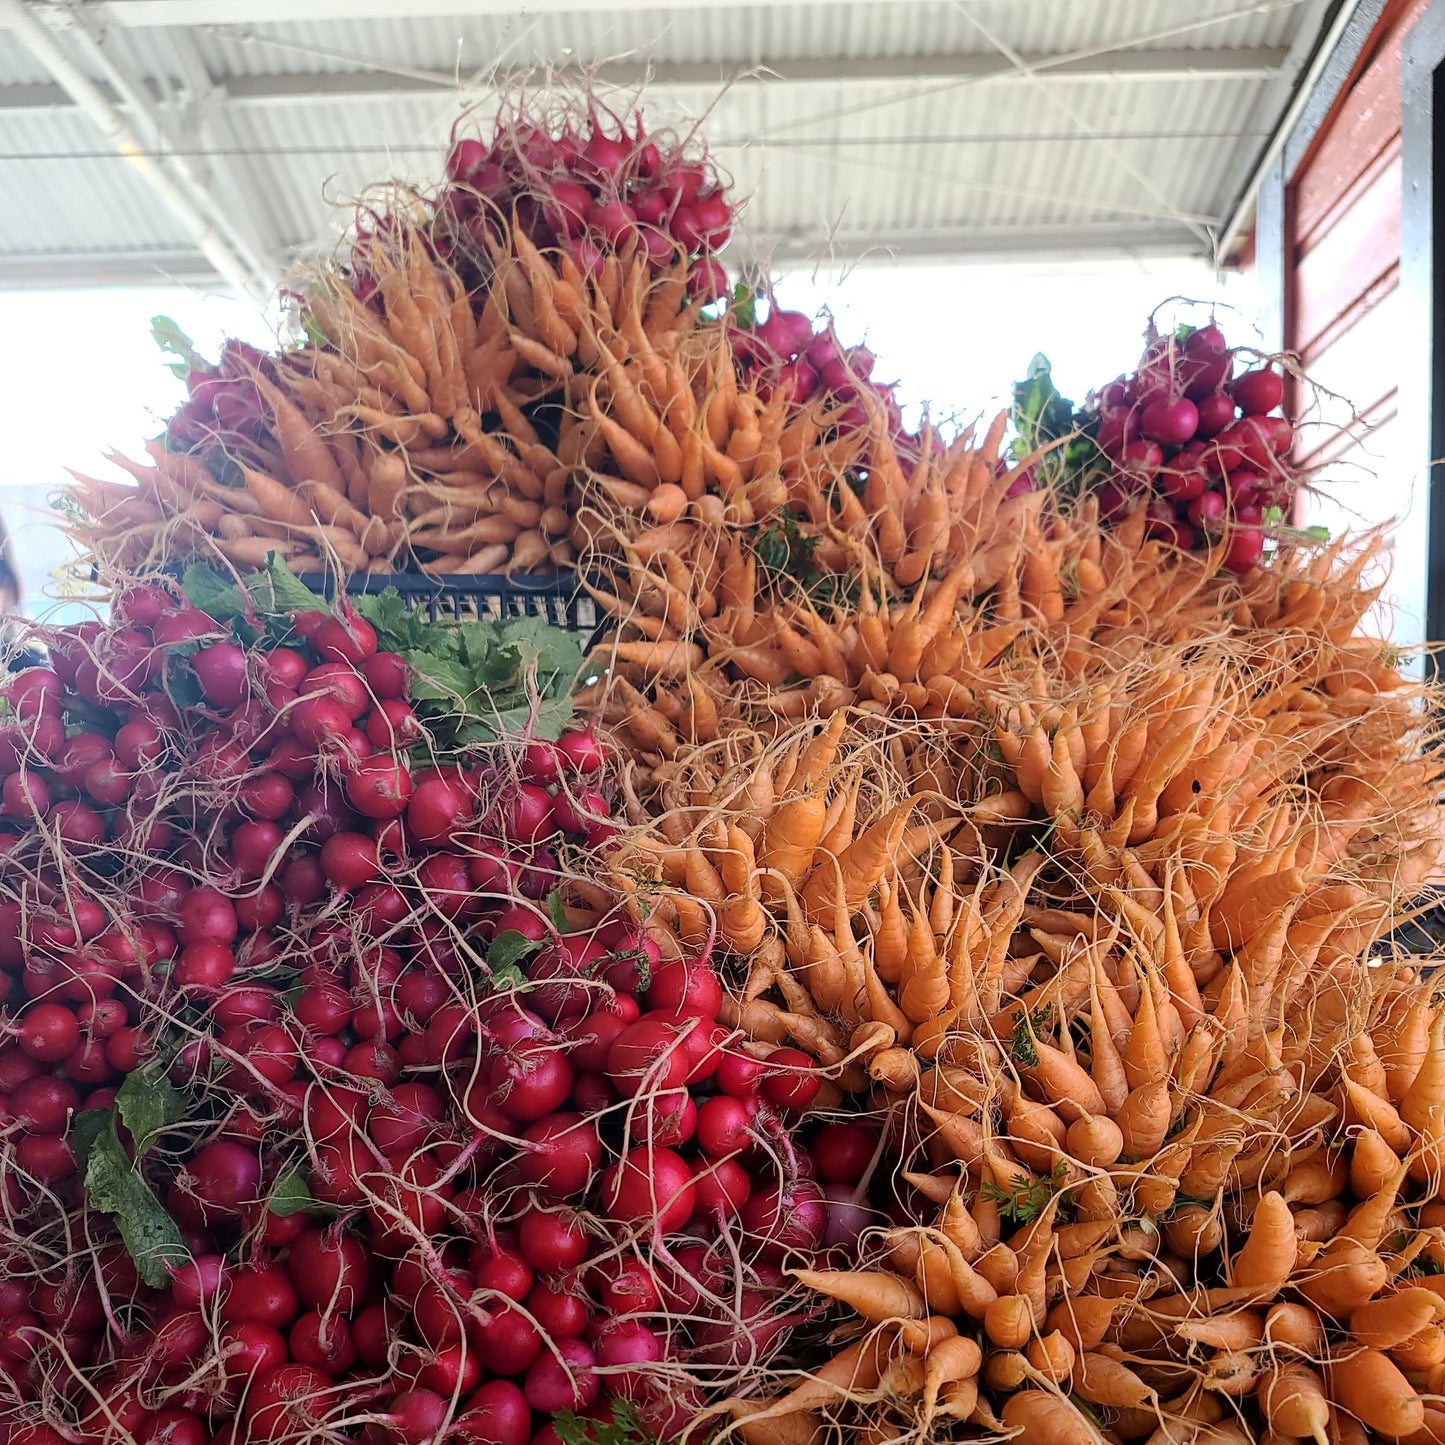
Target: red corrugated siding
{"x": 1342, "y": 238}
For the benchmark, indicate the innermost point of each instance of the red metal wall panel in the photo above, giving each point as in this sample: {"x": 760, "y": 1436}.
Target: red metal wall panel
{"x": 1342, "y": 252}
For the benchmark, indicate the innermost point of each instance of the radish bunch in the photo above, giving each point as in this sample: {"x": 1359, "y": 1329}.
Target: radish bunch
{"x": 321, "y": 1108}
{"x": 589, "y": 185}
{"x": 1201, "y": 436}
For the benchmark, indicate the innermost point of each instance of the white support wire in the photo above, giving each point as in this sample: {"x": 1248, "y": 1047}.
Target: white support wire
{"x": 1168, "y": 208}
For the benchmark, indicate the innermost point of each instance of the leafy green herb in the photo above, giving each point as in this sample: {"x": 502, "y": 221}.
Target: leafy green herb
{"x": 785, "y": 554}
{"x": 1042, "y": 416}
{"x": 292, "y": 1196}
{"x": 274, "y": 591}
{"x": 477, "y": 682}
{"x": 625, "y": 1427}
{"x": 1041, "y": 413}
{"x": 1021, "y": 1047}
{"x": 744, "y": 307}
{"x": 557, "y": 912}
{"x": 148, "y": 1103}
{"x": 1026, "y": 1203}
{"x": 115, "y": 1186}
{"x": 1423, "y": 1264}
{"x": 508, "y": 949}
{"x": 87, "y": 1128}
{"x": 174, "y": 342}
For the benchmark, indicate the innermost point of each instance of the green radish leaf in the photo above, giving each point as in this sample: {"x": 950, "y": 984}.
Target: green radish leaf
{"x": 87, "y": 1127}
{"x": 174, "y": 342}
{"x": 557, "y": 912}
{"x": 147, "y": 1103}
{"x": 508, "y": 949}
{"x": 293, "y": 1196}
{"x": 115, "y": 1187}
{"x": 274, "y": 591}
{"x": 398, "y": 627}
{"x": 204, "y": 587}
{"x": 438, "y": 679}
{"x": 744, "y": 307}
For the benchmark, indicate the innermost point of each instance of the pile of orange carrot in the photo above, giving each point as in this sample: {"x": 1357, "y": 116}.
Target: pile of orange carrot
{"x": 1069, "y": 857}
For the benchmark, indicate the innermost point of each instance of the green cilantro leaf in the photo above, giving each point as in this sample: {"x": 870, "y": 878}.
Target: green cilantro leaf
{"x": 626, "y": 1427}
{"x": 116, "y": 1187}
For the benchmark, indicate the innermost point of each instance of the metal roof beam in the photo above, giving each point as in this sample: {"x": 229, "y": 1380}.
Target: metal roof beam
{"x": 1064, "y": 241}
{"x": 1025, "y": 244}
{"x": 135, "y": 135}
{"x": 150, "y": 13}
{"x": 85, "y": 270}
{"x": 1139, "y": 65}
{"x": 1125, "y": 65}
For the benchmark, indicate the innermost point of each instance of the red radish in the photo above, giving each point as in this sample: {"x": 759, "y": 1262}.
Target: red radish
{"x": 842, "y": 1152}
{"x": 329, "y": 1272}
{"x": 650, "y": 1188}
{"x": 560, "y": 1314}
{"x": 1207, "y": 512}
{"x": 529, "y": 814}
{"x": 1216, "y": 411}
{"x": 1244, "y": 547}
{"x": 350, "y": 860}
{"x": 1141, "y": 460}
{"x": 552, "y": 1240}
{"x": 685, "y": 990}
{"x": 224, "y": 1178}
{"x": 221, "y": 671}
{"x": 1170, "y": 422}
{"x": 564, "y": 1380}
{"x": 647, "y": 1054}
{"x": 48, "y": 1032}
{"x": 1183, "y": 478}
{"x": 560, "y": 1154}
{"x": 787, "y": 1218}
{"x": 379, "y": 787}
{"x": 722, "y": 1187}
{"x": 724, "y": 1126}
{"x": 206, "y": 913}
{"x": 436, "y": 810}
{"x": 497, "y": 1414}
{"x": 790, "y": 1079}
{"x": 582, "y": 751}
{"x": 1206, "y": 362}
{"x": 348, "y": 639}
{"x": 1258, "y": 392}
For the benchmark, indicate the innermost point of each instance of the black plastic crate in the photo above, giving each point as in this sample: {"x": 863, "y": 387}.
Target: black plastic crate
{"x": 561, "y": 600}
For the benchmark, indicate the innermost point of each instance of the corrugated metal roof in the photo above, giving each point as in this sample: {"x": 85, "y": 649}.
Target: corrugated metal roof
{"x": 890, "y": 125}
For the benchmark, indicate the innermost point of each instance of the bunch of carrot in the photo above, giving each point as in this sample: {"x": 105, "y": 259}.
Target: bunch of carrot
{"x": 426, "y": 425}
{"x": 1064, "y": 853}
{"x": 1266, "y": 1266}
{"x": 1061, "y": 851}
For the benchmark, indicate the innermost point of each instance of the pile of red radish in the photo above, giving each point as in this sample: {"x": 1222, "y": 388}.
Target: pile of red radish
{"x": 1200, "y": 435}
{"x": 447, "y": 1155}
{"x": 589, "y": 186}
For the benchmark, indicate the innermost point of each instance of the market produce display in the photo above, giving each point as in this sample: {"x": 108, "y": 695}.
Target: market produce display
{"x": 920, "y": 977}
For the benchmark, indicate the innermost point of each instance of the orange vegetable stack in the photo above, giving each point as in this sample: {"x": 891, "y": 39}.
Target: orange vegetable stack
{"x": 1069, "y": 856}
